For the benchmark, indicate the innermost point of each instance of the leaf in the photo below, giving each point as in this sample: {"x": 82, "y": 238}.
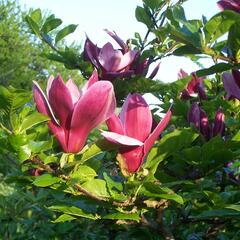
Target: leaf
{"x": 64, "y": 32}
{"x": 235, "y": 207}
{"x": 219, "y": 24}
{"x": 153, "y": 4}
{"x": 24, "y": 153}
{"x": 50, "y": 24}
{"x": 33, "y": 25}
{"x": 63, "y": 218}
{"x": 97, "y": 187}
{"x": 72, "y": 210}
{"x": 217, "y": 68}
{"x": 32, "y": 120}
{"x": 123, "y": 216}
{"x": 216, "y": 213}
{"x": 170, "y": 143}
{"x": 36, "y": 15}
{"x": 83, "y": 173}
{"x": 234, "y": 40}
{"x": 143, "y": 17}
{"x": 96, "y": 149}
{"x": 39, "y": 146}
{"x": 45, "y": 180}
{"x": 186, "y": 50}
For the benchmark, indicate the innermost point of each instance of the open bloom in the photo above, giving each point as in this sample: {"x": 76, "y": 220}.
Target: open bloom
{"x": 199, "y": 118}
{"x": 195, "y": 86}
{"x": 73, "y": 112}
{"x": 233, "y": 5}
{"x": 132, "y": 130}
{"x": 116, "y": 63}
{"x": 231, "y": 83}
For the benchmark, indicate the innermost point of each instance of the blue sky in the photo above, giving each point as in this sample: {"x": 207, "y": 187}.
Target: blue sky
{"x": 93, "y": 16}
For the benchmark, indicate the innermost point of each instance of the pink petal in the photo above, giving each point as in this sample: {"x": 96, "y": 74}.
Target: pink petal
{"x": 73, "y": 89}
{"x": 134, "y": 157}
{"x": 93, "y": 108}
{"x": 121, "y": 139}
{"x": 113, "y": 75}
{"x": 49, "y": 84}
{"x": 114, "y": 124}
{"x": 204, "y": 125}
{"x": 43, "y": 107}
{"x": 90, "y": 82}
{"x": 182, "y": 74}
{"x": 61, "y": 101}
{"x": 157, "y": 131}
{"x": 136, "y": 117}
{"x": 218, "y": 125}
{"x": 121, "y": 43}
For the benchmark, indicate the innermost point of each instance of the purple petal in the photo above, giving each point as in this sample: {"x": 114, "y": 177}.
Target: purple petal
{"x": 136, "y": 117}
{"x": 182, "y": 74}
{"x": 91, "y": 52}
{"x": 127, "y": 59}
{"x": 194, "y": 115}
{"x": 121, "y": 139}
{"x": 73, "y": 90}
{"x": 155, "y": 71}
{"x": 113, "y": 75}
{"x": 93, "y": 108}
{"x": 204, "y": 125}
{"x": 109, "y": 58}
{"x": 49, "y": 84}
{"x": 121, "y": 43}
{"x": 236, "y": 75}
{"x": 157, "y": 131}
{"x": 229, "y": 5}
{"x": 230, "y": 86}
{"x": 218, "y": 125}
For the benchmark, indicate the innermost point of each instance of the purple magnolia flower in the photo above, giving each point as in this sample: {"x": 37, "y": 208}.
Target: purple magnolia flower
{"x": 199, "y": 119}
{"x": 116, "y": 63}
{"x": 233, "y": 5}
{"x": 132, "y": 131}
{"x": 231, "y": 83}
{"x": 195, "y": 86}
{"x": 74, "y": 113}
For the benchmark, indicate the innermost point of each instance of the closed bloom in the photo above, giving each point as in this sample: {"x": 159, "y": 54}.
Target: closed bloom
{"x": 132, "y": 131}
{"x": 199, "y": 119}
{"x": 116, "y": 63}
{"x": 233, "y": 5}
{"x": 231, "y": 83}
{"x": 195, "y": 86}
{"x": 74, "y": 113}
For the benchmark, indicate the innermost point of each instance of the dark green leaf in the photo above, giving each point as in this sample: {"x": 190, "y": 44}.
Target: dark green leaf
{"x": 64, "y": 32}
{"x": 51, "y": 24}
{"x": 142, "y": 16}
{"x": 218, "y": 68}
{"x": 123, "y": 216}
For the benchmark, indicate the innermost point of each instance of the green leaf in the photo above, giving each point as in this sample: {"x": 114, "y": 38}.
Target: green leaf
{"x": 50, "y": 24}
{"x": 64, "y": 32}
{"x": 32, "y": 120}
{"x": 217, "y": 68}
{"x": 153, "y": 4}
{"x": 97, "y": 187}
{"x": 83, "y": 173}
{"x": 235, "y": 207}
{"x": 234, "y": 40}
{"x": 219, "y": 24}
{"x": 170, "y": 143}
{"x": 36, "y": 15}
{"x": 45, "y": 180}
{"x": 142, "y": 16}
{"x": 186, "y": 50}
{"x": 39, "y": 146}
{"x": 33, "y": 25}
{"x": 63, "y": 218}
{"x": 123, "y": 216}
{"x": 72, "y": 210}
{"x": 24, "y": 153}
{"x": 96, "y": 149}
{"x": 216, "y": 213}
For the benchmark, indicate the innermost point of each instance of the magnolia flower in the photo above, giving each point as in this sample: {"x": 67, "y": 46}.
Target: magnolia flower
{"x": 116, "y": 63}
{"x": 193, "y": 87}
{"x": 231, "y": 83}
{"x": 73, "y": 112}
{"x": 233, "y": 5}
{"x": 132, "y": 131}
{"x": 199, "y": 118}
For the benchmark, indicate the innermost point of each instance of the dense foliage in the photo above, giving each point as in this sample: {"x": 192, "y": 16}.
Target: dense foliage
{"x": 139, "y": 177}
